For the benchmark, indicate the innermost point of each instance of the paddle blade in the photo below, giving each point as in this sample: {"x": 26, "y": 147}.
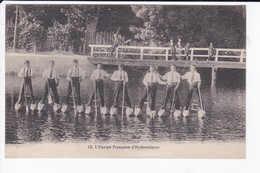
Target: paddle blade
{"x": 148, "y": 110}
{"x": 104, "y": 110}
{"x": 113, "y": 110}
{"x": 161, "y": 112}
{"x": 201, "y": 113}
{"x": 17, "y": 106}
{"x": 88, "y": 110}
{"x": 129, "y": 111}
{"x": 177, "y": 113}
{"x": 49, "y": 99}
{"x": 56, "y": 107}
{"x": 152, "y": 113}
{"x": 185, "y": 113}
{"x": 80, "y": 108}
{"x": 64, "y": 108}
{"x": 40, "y": 106}
{"x": 33, "y": 107}
{"x": 137, "y": 111}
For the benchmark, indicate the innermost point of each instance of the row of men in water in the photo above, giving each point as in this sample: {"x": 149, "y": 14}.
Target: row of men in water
{"x": 76, "y": 74}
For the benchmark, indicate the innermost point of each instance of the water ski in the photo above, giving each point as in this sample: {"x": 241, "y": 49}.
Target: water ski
{"x": 137, "y": 111}
{"x": 104, "y": 110}
{"x": 49, "y": 99}
{"x": 64, "y": 108}
{"x": 80, "y": 108}
{"x": 129, "y": 111}
{"x": 113, "y": 110}
{"x": 148, "y": 110}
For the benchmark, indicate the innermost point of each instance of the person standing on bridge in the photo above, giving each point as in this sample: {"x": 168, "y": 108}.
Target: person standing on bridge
{"x": 98, "y": 76}
{"x": 116, "y": 41}
{"x": 193, "y": 78}
{"x": 179, "y": 49}
{"x": 150, "y": 81}
{"x": 121, "y": 78}
{"x": 210, "y": 51}
{"x": 26, "y": 73}
{"x": 187, "y": 50}
{"x": 75, "y": 75}
{"x": 173, "y": 49}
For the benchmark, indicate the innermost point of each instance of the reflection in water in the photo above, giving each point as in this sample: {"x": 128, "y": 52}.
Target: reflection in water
{"x": 224, "y": 102}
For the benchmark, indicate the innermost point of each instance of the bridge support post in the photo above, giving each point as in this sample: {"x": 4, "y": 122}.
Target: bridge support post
{"x": 214, "y": 74}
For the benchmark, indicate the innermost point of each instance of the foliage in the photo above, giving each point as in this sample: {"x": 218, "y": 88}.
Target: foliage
{"x": 199, "y": 25}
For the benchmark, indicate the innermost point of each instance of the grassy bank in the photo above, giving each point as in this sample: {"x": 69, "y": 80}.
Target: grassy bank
{"x": 15, "y": 61}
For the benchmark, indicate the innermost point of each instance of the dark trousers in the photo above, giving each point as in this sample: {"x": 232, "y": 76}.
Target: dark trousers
{"x": 187, "y": 55}
{"x": 169, "y": 90}
{"x": 192, "y": 88}
{"x": 99, "y": 88}
{"x": 152, "y": 90}
{"x": 115, "y": 45}
{"x": 173, "y": 52}
{"x": 51, "y": 85}
{"x": 118, "y": 89}
{"x": 26, "y": 83}
{"x": 76, "y": 85}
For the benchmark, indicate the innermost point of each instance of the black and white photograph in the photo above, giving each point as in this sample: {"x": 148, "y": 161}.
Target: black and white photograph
{"x": 125, "y": 81}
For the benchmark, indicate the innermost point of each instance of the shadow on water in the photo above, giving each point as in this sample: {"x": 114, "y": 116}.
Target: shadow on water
{"x": 224, "y": 102}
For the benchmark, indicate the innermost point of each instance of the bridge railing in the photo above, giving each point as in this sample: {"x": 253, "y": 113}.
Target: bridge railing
{"x": 164, "y": 53}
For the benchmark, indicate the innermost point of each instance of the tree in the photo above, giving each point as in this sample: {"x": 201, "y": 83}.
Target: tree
{"x": 222, "y": 25}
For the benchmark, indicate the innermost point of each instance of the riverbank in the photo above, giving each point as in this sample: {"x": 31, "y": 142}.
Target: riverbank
{"x": 15, "y": 61}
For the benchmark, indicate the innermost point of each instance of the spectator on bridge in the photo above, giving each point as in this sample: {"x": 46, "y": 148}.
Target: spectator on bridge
{"x": 210, "y": 51}
{"x": 173, "y": 49}
{"x": 193, "y": 78}
{"x": 187, "y": 50}
{"x": 179, "y": 49}
{"x": 116, "y": 41}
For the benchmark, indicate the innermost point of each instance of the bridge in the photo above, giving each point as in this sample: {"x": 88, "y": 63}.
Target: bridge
{"x": 161, "y": 57}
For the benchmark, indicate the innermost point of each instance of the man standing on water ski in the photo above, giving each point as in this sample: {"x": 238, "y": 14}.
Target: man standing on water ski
{"x": 75, "y": 76}
{"x": 173, "y": 79}
{"x": 193, "y": 78}
{"x": 51, "y": 82}
{"x": 26, "y": 73}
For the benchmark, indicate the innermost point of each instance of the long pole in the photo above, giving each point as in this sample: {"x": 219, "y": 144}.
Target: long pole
{"x": 123, "y": 98}
{"x": 201, "y": 105}
{"x": 73, "y": 97}
{"x": 95, "y": 93}
{"x": 15, "y": 28}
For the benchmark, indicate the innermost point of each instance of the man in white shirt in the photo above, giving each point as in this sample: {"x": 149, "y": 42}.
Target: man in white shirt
{"x": 116, "y": 41}
{"x": 98, "y": 76}
{"x": 173, "y": 79}
{"x": 151, "y": 81}
{"x": 193, "y": 78}
{"x": 210, "y": 51}
{"x": 26, "y": 73}
{"x": 120, "y": 76}
{"x": 52, "y": 81}
{"x": 75, "y": 76}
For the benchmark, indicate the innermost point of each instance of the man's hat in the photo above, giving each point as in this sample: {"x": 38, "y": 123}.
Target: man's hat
{"x": 75, "y": 60}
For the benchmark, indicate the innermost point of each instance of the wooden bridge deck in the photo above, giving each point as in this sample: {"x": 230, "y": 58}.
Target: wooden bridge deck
{"x": 162, "y": 63}
{"x": 161, "y": 57}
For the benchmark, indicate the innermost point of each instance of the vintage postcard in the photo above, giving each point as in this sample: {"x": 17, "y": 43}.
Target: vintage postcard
{"x": 125, "y": 81}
